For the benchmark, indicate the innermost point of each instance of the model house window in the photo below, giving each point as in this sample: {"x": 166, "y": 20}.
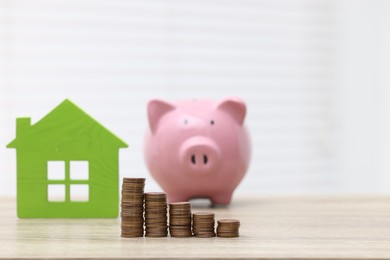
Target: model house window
{"x": 68, "y": 181}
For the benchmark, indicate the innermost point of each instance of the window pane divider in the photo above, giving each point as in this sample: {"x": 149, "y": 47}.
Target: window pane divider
{"x": 78, "y": 182}
{"x": 67, "y": 181}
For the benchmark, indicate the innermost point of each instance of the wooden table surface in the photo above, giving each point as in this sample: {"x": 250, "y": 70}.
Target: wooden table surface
{"x": 271, "y": 228}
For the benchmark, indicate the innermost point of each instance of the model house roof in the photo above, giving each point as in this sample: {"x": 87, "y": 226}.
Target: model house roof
{"x": 65, "y": 121}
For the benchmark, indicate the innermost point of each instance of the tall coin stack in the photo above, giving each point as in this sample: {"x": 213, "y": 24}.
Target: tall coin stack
{"x": 203, "y": 224}
{"x": 228, "y": 228}
{"x": 156, "y": 214}
{"x": 180, "y": 219}
{"x": 132, "y": 207}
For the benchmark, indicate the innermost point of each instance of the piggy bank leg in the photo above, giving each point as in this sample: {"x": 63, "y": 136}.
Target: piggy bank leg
{"x": 172, "y": 197}
{"x": 222, "y": 198}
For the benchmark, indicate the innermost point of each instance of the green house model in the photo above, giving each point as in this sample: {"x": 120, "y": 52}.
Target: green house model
{"x": 67, "y": 166}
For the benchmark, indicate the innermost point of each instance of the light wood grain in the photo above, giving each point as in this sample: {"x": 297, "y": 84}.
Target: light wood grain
{"x": 271, "y": 228}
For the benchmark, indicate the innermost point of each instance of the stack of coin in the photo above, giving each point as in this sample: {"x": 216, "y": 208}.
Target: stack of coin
{"x": 132, "y": 207}
{"x": 180, "y": 219}
{"x": 156, "y": 214}
{"x": 228, "y": 228}
{"x": 203, "y": 224}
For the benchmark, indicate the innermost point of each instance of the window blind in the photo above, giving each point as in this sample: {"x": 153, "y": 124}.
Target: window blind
{"x": 111, "y": 57}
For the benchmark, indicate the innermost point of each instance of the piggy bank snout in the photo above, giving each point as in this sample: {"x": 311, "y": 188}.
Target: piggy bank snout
{"x": 200, "y": 155}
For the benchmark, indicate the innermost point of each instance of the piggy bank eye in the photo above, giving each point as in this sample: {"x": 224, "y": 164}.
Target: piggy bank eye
{"x": 185, "y": 121}
{"x": 212, "y": 122}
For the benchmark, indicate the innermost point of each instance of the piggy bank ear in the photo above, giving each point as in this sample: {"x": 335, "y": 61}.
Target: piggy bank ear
{"x": 156, "y": 110}
{"x": 234, "y": 107}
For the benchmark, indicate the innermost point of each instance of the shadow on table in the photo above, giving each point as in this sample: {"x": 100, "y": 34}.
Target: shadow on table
{"x": 205, "y": 203}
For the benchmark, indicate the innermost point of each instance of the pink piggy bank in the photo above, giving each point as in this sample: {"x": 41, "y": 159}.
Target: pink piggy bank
{"x": 197, "y": 148}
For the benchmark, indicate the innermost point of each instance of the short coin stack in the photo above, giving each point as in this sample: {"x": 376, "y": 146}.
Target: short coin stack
{"x": 156, "y": 214}
{"x": 132, "y": 207}
{"x": 180, "y": 219}
{"x": 228, "y": 228}
{"x": 203, "y": 224}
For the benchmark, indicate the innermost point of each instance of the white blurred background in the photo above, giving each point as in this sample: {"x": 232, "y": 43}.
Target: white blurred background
{"x": 314, "y": 74}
